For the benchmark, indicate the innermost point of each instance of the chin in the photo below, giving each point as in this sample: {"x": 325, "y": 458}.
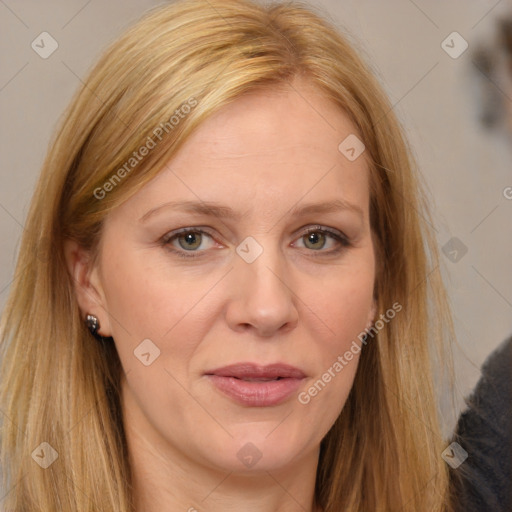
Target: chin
{"x": 259, "y": 450}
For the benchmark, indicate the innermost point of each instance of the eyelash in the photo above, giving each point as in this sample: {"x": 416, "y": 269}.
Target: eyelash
{"x": 339, "y": 237}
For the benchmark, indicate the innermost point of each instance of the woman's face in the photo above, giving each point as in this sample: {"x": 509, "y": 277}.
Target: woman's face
{"x": 223, "y": 330}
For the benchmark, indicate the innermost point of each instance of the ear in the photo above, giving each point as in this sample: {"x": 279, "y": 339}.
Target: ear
{"x": 87, "y": 284}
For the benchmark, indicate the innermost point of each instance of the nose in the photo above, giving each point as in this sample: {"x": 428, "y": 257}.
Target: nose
{"x": 262, "y": 299}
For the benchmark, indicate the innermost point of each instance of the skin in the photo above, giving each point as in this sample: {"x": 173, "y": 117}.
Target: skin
{"x": 262, "y": 155}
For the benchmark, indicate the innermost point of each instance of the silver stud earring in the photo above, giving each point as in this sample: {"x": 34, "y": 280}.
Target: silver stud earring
{"x": 92, "y": 323}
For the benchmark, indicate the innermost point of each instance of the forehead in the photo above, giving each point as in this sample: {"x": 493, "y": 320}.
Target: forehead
{"x": 281, "y": 120}
{"x": 272, "y": 147}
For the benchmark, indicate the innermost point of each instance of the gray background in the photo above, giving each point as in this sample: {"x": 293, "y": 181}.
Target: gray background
{"x": 436, "y": 97}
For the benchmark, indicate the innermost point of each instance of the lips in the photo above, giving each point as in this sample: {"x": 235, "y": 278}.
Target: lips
{"x": 257, "y": 386}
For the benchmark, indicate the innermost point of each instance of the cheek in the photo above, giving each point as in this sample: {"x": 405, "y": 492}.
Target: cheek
{"x": 339, "y": 349}
{"x": 345, "y": 305}
{"x": 137, "y": 302}
{"x": 148, "y": 300}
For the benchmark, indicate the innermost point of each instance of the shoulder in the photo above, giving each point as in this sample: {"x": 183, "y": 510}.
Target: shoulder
{"x": 484, "y": 430}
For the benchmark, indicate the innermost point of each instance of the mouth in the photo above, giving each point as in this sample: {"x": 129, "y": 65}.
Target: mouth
{"x": 254, "y": 372}
{"x": 257, "y": 386}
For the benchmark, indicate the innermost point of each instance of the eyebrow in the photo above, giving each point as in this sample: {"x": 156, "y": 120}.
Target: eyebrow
{"x": 225, "y": 212}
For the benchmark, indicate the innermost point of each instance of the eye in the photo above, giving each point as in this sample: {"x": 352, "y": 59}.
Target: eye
{"x": 189, "y": 241}
{"x": 317, "y": 238}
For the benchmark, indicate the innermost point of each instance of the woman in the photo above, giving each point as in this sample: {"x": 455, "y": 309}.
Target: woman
{"x": 223, "y": 283}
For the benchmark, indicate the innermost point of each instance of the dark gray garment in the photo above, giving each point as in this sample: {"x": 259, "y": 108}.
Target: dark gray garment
{"x": 483, "y": 482}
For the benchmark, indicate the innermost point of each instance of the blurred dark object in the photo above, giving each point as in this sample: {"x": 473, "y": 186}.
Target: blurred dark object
{"x": 493, "y": 64}
{"x": 506, "y": 38}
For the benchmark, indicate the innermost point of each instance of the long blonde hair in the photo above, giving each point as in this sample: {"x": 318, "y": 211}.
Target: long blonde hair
{"x": 59, "y": 385}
